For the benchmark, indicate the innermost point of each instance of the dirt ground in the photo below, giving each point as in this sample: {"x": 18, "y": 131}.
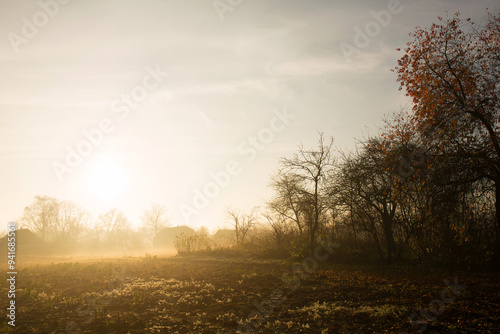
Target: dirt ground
{"x": 204, "y": 294}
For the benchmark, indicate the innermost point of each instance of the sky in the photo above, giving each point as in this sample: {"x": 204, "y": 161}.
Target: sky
{"x": 190, "y": 104}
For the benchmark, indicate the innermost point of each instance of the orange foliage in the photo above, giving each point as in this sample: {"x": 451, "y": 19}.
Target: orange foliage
{"x": 452, "y": 70}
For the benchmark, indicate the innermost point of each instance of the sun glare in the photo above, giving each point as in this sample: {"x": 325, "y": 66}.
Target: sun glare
{"x": 107, "y": 180}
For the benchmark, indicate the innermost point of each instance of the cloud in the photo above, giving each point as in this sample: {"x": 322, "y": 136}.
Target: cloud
{"x": 219, "y": 88}
{"x": 316, "y": 66}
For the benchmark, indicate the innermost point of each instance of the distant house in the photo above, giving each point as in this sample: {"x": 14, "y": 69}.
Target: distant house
{"x": 164, "y": 240}
{"x": 224, "y": 238}
{"x": 27, "y": 243}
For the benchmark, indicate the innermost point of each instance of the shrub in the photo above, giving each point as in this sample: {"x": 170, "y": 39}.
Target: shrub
{"x": 189, "y": 243}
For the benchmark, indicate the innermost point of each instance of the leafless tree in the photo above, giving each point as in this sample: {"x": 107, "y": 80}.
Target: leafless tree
{"x": 288, "y": 200}
{"x": 116, "y": 227}
{"x": 364, "y": 184}
{"x": 242, "y": 223}
{"x": 40, "y": 217}
{"x": 280, "y": 227}
{"x": 71, "y": 221}
{"x": 301, "y": 188}
{"x": 155, "y": 218}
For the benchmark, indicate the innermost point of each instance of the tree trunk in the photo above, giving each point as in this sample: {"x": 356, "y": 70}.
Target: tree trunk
{"x": 312, "y": 239}
{"x": 389, "y": 238}
{"x": 497, "y": 211}
{"x": 379, "y": 248}
{"x": 354, "y": 231}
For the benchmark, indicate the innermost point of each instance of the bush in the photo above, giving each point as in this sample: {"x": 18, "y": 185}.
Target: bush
{"x": 189, "y": 243}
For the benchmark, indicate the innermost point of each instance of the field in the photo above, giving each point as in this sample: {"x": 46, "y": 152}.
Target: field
{"x": 207, "y": 294}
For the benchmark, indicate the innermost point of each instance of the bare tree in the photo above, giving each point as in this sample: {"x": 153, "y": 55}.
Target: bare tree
{"x": 71, "y": 220}
{"x": 155, "y": 218}
{"x": 41, "y": 216}
{"x": 279, "y": 227}
{"x": 116, "y": 226}
{"x": 113, "y": 220}
{"x": 242, "y": 222}
{"x": 288, "y": 200}
{"x": 365, "y": 185}
{"x": 302, "y": 188}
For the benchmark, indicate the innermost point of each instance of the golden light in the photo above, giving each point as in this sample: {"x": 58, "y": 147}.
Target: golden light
{"x": 107, "y": 179}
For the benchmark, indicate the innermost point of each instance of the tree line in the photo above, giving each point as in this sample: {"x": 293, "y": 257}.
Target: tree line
{"x": 71, "y": 227}
{"x": 427, "y": 187}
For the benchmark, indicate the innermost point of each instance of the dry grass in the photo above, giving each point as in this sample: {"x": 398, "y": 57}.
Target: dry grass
{"x": 152, "y": 294}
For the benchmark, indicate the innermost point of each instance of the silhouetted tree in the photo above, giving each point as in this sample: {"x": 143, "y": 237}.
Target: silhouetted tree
{"x": 301, "y": 188}
{"x": 242, "y": 223}
{"x": 365, "y": 185}
{"x": 452, "y": 71}
{"x": 288, "y": 201}
{"x": 280, "y": 228}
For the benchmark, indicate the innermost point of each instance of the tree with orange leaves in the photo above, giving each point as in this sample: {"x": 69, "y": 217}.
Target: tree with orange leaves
{"x": 451, "y": 70}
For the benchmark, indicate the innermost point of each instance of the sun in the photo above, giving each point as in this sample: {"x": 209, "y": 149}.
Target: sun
{"x": 107, "y": 180}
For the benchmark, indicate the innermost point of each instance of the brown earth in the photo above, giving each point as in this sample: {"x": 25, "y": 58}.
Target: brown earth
{"x": 223, "y": 295}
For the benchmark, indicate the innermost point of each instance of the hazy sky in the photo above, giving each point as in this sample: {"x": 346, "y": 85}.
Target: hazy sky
{"x": 99, "y": 67}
